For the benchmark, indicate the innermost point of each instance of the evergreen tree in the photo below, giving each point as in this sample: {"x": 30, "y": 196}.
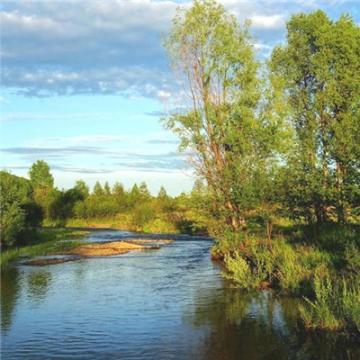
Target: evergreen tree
{"x": 107, "y": 189}
{"x": 162, "y": 193}
{"x": 98, "y": 190}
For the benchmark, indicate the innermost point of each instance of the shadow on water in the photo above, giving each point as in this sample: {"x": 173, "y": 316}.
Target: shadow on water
{"x": 10, "y": 288}
{"x": 260, "y": 326}
{"x": 38, "y": 283}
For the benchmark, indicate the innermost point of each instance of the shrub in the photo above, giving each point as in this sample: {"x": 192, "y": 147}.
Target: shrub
{"x": 336, "y": 303}
{"x": 142, "y": 214}
{"x": 159, "y": 226}
{"x": 12, "y": 224}
{"x": 240, "y": 272}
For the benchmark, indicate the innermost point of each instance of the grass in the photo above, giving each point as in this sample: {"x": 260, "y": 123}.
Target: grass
{"x": 46, "y": 242}
{"x": 121, "y": 222}
{"x": 336, "y": 304}
{"x": 322, "y": 266}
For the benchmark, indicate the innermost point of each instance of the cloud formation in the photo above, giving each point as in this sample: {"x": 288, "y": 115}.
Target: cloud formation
{"x": 115, "y": 46}
{"x": 169, "y": 161}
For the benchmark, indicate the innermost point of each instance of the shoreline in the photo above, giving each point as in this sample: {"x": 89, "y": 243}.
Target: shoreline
{"x": 93, "y": 250}
{"x": 57, "y": 245}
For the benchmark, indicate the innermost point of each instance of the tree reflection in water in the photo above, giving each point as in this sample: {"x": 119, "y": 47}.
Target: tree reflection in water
{"x": 260, "y": 326}
{"x": 38, "y": 282}
{"x": 9, "y": 294}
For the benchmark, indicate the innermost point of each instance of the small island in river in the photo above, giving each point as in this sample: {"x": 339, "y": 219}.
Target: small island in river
{"x": 98, "y": 249}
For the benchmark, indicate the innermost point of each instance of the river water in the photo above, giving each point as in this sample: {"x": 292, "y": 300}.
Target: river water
{"x": 170, "y": 303}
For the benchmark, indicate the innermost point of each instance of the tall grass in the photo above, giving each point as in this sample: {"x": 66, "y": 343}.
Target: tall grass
{"x": 336, "y": 304}
{"x": 323, "y": 270}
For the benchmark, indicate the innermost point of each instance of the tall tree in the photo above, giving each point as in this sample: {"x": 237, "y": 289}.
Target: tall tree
{"x": 222, "y": 126}
{"x": 162, "y": 193}
{"x": 107, "y": 189}
{"x": 19, "y": 215}
{"x": 82, "y": 188}
{"x": 118, "y": 190}
{"x": 98, "y": 190}
{"x": 144, "y": 191}
{"x": 321, "y": 70}
{"x": 42, "y": 182}
{"x": 40, "y": 175}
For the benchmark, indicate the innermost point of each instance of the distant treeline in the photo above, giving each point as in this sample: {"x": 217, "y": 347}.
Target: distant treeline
{"x": 27, "y": 204}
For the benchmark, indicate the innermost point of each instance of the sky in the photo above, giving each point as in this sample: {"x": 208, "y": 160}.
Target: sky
{"x": 85, "y": 83}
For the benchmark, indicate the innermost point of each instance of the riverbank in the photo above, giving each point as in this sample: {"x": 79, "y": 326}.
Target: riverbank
{"x": 87, "y": 251}
{"x": 54, "y": 246}
{"x": 45, "y": 242}
{"x": 320, "y": 267}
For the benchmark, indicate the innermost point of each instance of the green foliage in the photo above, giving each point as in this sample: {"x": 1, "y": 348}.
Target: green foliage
{"x": 98, "y": 190}
{"x": 320, "y": 68}
{"x": 241, "y": 272}
{"x": 156, "y": 226}
{"x": 82, "y": 188}
{"x": 63, "y": 203}
{"x": 142, "y": 214}
{"x": 336, "y": 303}
{"x": 320, "y": 312}
{"x": 12, "y": 224}
{"x": 34, "y": 214}
{"x": 162, "y": 195}
{"x": 135, "y": 209}
{"x": 352, "y": 258}
{"x": 40, "y": 175}
{"x": 325, "y": 274}
{"x": 45, "y": 242}
{"x": 284, "y": 265}
{"x": 230, "y": 124}
{"x": 19, "y": 214}
{"x": 268, "y": 144}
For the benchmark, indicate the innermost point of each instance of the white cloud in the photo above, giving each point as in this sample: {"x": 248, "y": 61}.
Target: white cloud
{"x": 127, "y": 81}
{"x": 267, "y": 21}
{"x": 114, "y": 46}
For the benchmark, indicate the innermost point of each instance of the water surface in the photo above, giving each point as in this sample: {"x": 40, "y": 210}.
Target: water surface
{"x": 166, "y": 304}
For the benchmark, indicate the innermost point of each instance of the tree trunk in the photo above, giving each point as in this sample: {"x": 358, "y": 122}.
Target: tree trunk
{"x": 340, "y": 206}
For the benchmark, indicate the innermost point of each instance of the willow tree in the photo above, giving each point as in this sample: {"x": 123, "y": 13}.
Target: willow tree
{"x": 321, "y": 69}
{"x": 221, "y": 129}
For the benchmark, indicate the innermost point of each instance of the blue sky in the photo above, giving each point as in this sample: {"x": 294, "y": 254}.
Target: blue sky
{"x": 84, "y": 84}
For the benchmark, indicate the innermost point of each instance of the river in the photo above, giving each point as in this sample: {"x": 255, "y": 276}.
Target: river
{"x": 170, "y": 303}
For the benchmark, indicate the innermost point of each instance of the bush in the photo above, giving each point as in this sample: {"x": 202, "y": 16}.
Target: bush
{"x": 159, "y": 226}
{"x": 295, "y": 265}
{"x": 284, "y": 265}
{"x": 12, "y": 224}
{"x": 240, "y": 272}
{"x": 142, "y": 214}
